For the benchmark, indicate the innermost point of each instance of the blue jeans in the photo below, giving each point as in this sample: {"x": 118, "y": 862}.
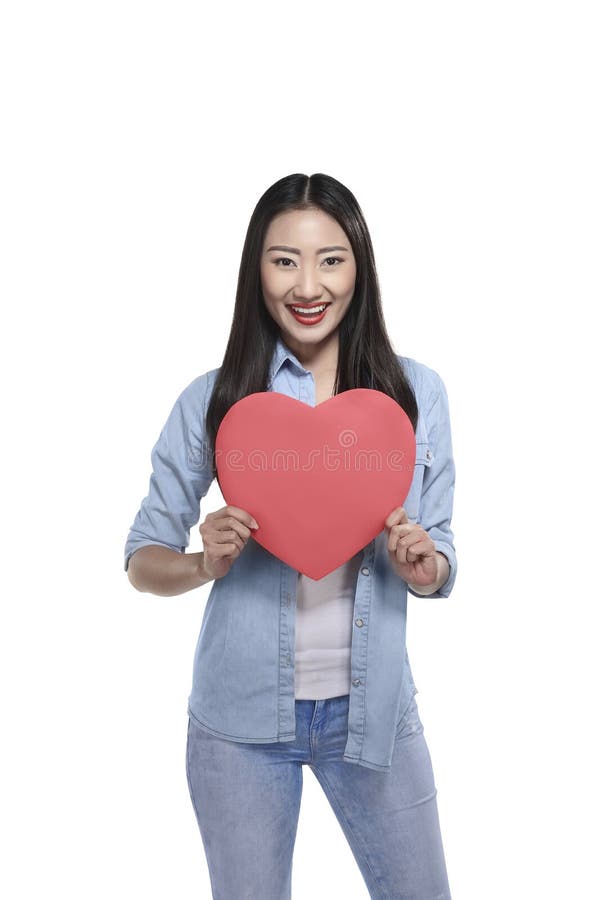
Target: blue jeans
{"x": 246, "y": 798}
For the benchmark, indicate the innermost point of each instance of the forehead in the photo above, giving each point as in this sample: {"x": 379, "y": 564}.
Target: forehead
{"x": 304, "y": 226}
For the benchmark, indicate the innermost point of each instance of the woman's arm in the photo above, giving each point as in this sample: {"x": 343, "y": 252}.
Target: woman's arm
{"x": 155, "y": 557}
{"x": 158, "y": 570}
{"x": 438, "y": 488}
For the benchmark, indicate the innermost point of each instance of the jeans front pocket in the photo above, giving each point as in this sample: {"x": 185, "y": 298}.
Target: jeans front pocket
{"x": 410, "y": 722}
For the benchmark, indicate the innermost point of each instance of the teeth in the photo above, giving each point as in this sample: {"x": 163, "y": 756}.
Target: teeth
{"x": 314, "y": 310}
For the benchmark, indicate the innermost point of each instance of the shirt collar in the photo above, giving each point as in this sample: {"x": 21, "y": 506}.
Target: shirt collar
{"x": 282, "y": 353}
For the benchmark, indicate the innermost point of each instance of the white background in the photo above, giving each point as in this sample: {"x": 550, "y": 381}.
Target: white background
{"x": 136, "y": 140}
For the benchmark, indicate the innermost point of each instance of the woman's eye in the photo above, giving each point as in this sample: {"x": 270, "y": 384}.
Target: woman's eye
{"x": 283, "y": 259}
{"x": 334, "y": 258}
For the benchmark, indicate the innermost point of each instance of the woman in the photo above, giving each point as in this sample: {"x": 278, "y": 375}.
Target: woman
{"x": 290, "y": 671}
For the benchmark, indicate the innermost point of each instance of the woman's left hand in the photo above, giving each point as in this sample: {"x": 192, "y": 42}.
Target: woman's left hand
{"x": 410, "y": 549}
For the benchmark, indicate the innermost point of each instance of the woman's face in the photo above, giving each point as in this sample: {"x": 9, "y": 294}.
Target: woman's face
{"x": 307, "y": 261}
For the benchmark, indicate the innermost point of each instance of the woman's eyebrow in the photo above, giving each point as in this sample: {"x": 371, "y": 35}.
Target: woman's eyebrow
{"x": 295, "y": 250}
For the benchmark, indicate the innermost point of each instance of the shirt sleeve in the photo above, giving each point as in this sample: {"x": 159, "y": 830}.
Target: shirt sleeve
{"x": 181, "y": 476}
{"x": 436, "y": 503}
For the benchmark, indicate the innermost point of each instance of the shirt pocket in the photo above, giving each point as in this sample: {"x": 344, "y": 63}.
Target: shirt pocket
{"x": 424, "y": 457}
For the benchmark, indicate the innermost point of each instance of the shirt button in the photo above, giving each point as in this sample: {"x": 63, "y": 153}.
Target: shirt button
{"x": 359, "y": 622}
{"x": 428, "y": 454}
{"x": 365, "y": 570}
{"x": 356, "y": 681}
{"x": 288, "y": 660}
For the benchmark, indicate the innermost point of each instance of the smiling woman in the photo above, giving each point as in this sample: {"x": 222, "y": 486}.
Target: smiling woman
{"x": 290, "y": 671}
{"x": 307, "y": 244}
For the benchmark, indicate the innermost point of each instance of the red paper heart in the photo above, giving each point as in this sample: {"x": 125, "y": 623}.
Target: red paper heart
{"x": 319, "y": 480}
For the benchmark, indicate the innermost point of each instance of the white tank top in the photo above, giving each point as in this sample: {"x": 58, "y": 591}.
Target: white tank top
{"x": 324, "y": 625}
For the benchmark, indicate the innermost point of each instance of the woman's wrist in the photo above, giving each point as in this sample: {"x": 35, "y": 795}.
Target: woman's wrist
{"x": 442, "y": 573}
{"x": 201, "y": 571}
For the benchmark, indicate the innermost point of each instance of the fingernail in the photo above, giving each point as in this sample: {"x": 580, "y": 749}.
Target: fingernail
{"x": 254, "y": 524}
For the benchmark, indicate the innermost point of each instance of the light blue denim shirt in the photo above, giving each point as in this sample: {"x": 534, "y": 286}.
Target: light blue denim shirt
{"x": 243, "y": 686}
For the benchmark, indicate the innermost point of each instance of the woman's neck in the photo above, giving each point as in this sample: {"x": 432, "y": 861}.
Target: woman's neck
{"x": 320, "y": 358}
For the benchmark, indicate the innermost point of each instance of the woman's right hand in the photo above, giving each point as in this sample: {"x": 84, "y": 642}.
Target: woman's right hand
{"x": 224, "y": 535}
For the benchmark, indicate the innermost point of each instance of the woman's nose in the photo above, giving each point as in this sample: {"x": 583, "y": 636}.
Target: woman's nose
{"x": 308, "y": 287}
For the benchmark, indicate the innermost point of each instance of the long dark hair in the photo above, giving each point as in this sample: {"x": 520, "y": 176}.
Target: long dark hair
{"x": 366, "y": 357}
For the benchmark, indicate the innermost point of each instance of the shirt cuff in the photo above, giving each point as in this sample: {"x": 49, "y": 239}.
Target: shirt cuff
{"x": 142, "y": 543}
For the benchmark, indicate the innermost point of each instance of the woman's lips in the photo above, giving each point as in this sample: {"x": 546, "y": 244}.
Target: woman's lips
{"x": 305, "y": 318}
